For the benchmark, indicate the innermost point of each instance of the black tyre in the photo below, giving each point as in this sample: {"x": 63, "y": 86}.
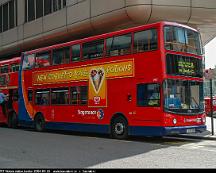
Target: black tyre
{"x": 12, "y": 120}
{"x": 39, "y": 123}
{"x": 119, "y": 128}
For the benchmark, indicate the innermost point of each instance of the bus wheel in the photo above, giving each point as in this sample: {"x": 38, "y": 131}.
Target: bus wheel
{"x": 119, "y": 128}
{"x": 39, "y": 123}
{"x": 12, "y": 120}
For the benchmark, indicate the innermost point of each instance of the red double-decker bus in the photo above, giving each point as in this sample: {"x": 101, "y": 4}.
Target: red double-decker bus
{"x": 145, "y": 80}
{"x": 9, "y": 86}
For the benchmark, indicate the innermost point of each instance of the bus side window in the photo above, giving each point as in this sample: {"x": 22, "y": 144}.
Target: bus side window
{"x": 15, "y": 95}
{"x": 43, "y": 59}
{"x": 42, "y": 97}
{"x": 145, "y": 40}
{"x": 60, "y": 96}
{"x": 76, "y": 53}
{"x": 119, "y": 45}
{"x": 61, "y": 56}
{"x": 14, "y": 68}
{"x": 94, "y": 49}
{"x": 30, "y": 95}
{"x": 75, "y": 95}
{"x": 148, "y": 95}
{"x": 79, "y": 95}
{"x": 4, "y": 69}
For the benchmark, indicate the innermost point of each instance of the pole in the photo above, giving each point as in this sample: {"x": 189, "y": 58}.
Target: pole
{"x": 211, "y": 107}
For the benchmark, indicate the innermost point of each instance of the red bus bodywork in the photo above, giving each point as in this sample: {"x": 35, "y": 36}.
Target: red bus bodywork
{"x": 9, "y": 86}
{"x": 119, "y": 97}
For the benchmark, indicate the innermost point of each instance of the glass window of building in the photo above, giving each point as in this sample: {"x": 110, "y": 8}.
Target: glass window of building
{"x": 37, "y": 8}
{"x": 8, "y": 15}
{"x": 0, "y": 19}
{"x": 5, "y": 17}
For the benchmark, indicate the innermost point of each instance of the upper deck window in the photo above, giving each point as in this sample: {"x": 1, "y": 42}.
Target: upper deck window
{"x": 182, "y": 40}
{"x": 4, "y": 69}
{"x": 118, "y": 45}
{"x": 93, "y": 49}
{"x": 28, "y": 61}
{"x": 15, "y": 67}
{"x": 76, "y": 52}
{"x": 145, "y": 40}
{"x": 43, "y": 59}
{"x": 61, "y": 56}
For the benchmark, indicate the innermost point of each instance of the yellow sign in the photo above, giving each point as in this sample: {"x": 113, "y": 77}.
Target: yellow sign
{"x": 116, "y": 69}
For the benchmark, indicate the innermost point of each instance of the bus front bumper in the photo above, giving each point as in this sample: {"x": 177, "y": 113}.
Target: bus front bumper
{"x": 165, "y": 131}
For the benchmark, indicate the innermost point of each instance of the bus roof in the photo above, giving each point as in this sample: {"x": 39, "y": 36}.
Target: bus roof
{"x": 109, "y": 34}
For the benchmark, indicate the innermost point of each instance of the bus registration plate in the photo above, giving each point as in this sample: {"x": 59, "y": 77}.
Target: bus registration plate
{"x": 191, "y": 131}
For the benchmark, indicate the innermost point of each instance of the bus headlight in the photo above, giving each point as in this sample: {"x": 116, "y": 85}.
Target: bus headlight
{"x": 174, "y": 121}
{"x": 204, "y": 120}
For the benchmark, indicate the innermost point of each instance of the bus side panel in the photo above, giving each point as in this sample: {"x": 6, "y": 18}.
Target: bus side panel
{"x": 23, "y": 115}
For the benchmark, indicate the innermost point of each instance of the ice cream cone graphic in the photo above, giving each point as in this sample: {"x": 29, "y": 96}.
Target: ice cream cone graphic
{"x": 97, "y": 77}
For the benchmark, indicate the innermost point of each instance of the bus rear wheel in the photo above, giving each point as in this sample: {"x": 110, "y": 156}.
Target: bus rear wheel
{"x": 119, "y": 128}
{"x": 12, "y": 120}
{"x": 39, "y": 123}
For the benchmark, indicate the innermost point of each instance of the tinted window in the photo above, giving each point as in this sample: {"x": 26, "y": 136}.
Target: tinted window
{"x": 93, "y": 49}
{"x": 74, "y": 95}
{"x": 61, "y": 56}
{"x": 42, "y": 97}
{"x": 119, "y": 45}
{"x": 43, "y": 59}
{"x": 11, "y": 14}
{"x": 30, "y": 95}
{"x": 4, "y": 69}
{"x": 83, "y": 95}
{"x": 39, "y": 8}
{"x": 47, "y": 7}
{"x": 60, "y": 96}
{"x": 79, "y": 95}
{"x": 145, "y": 40}
{"x": 5, "y": 17}
{"x": 148, "y": 95}
{"x": 0, "y": 19}
{"x": 15, "y": 67}
{"x": 76, "y": 52}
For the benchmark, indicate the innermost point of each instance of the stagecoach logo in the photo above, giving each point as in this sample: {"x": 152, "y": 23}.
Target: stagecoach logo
{"x": 99, "y": 113}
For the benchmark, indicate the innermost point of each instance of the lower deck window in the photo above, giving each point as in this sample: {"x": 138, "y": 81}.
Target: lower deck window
{"x": 60, "y": 96}
{"x": 42, "y": 97}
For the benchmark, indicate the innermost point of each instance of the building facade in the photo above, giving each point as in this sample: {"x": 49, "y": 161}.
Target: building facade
{"x": 29, "y": 24}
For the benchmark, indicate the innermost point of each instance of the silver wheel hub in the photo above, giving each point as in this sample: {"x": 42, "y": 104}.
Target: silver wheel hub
{"x": 119, "y": 128}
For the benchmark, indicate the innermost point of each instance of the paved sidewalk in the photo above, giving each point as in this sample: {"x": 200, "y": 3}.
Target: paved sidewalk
{"x": 204, "y": 135}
